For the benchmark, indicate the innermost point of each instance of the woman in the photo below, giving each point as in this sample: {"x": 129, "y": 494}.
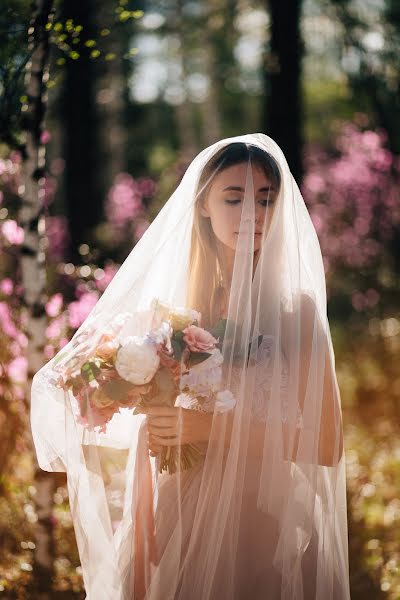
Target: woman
{"x": 262, "y": 512}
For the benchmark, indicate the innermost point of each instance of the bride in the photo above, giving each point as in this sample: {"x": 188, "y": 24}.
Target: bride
{"x": 261, "y": 513}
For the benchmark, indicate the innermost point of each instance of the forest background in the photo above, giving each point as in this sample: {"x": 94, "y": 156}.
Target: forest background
{"x": 103, "y": 104}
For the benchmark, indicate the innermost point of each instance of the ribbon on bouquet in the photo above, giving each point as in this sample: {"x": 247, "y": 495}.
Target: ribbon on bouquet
{"x": 145, "y": 548}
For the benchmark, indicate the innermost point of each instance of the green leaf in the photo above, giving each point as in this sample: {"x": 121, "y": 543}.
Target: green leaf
{"x": 197, "y": 357}
{"x": 90, "y": 371}
{"x": 178, "y": 335}
{"x": 177, "y": 347}
{"x": 219, "y": 330}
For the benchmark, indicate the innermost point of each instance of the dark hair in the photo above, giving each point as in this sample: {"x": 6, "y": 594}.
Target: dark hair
{"x": 237, "y": 153}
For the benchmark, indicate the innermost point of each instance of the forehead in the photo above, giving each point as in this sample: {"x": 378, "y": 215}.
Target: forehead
{"x": 236, "y": 176}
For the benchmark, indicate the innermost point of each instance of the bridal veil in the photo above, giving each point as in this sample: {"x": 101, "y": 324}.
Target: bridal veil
{"x": 262, "y": 513}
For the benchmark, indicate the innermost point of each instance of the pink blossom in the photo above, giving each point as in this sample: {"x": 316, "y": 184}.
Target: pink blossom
{"x": 12, "y": 232}
{"x": 372, "y": 297}
{"x": 124, "y": 201}
{"x": 198, "y": 339}
{"x": 45, "y": 137}
{"x": 54, "y": 305}
{"x": 49, "y": 351}
{"x": 146, "y": 186}
{"x": 56, "y": 327}
{"x": 18, "y": 369}
{"x": 7, "y": 286}
{"x": 140, "y": 227}
{"x": 357, "y": 300}
{"x": 50, "y": 187}
{"x": 109, "y": 272}
{"x": 58, "y": 236}
{"x": 80, "y": 309}
{"x": 353, "y": 197}
{"x": 7, "y": 324}
{"x": 16, "y": 157}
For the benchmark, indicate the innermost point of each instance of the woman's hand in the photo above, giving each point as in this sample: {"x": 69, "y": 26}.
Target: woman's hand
{"x": 174, "y": 425}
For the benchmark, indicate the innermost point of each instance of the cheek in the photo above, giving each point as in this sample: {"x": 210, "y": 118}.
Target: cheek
{"x": 224, "y": 220}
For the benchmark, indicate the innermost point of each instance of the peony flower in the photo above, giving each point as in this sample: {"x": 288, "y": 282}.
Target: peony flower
{"x": 198, "y": 339}
{"x": 206, "y": 376}
{"x": 179, "y": 317}
{"x": 106, "y": 349}
{"x": 137, "y": 360}
{"x": 224, "y": 401}
{"x": 161, "y": 335}
{"x": 182, "y": 317}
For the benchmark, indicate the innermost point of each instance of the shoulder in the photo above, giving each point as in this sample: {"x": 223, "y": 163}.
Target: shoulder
{"x": 303, "y": 310}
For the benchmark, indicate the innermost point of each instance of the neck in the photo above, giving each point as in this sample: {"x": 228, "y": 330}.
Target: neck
{"x": 227, "y": 260}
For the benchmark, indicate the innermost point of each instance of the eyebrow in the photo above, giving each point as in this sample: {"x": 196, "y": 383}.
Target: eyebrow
{"x": 235, "y": 188}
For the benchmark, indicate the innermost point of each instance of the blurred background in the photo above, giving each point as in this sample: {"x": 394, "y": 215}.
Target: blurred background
{"x": 103, "y": 104}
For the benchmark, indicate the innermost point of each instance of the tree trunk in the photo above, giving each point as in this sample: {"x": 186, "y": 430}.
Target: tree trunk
{"x": 189, "y": 144}
{"x": 109, "y": 87}
{"x": 32, "y": 262}
{"x": 282, "y": 79}
{"x": 82, "y": 189}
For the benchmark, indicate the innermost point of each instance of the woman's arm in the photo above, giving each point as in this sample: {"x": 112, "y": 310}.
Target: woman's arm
{"x": 328, "y": 424}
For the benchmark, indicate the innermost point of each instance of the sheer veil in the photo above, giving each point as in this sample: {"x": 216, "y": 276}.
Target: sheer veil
{"x": 262, "y": 512}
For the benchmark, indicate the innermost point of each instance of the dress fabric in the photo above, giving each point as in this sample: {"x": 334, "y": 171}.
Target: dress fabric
{"x": 258, "y": 533}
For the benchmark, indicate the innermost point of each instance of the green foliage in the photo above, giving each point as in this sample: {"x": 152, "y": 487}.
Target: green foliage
{"x": 66, "y": 37}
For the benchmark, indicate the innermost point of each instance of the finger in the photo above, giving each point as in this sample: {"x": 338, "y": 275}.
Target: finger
{"x": 155, "y": 449}
{"x": 161, "y": 410}
{"x": 156, "y": 428}
{"x": 172, "y": 441}
{"x": 163, "y": 420}
{"x": 164, "y": 432}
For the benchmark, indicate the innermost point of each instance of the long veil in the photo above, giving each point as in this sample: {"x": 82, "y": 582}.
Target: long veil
{"x": 260, "y": 510}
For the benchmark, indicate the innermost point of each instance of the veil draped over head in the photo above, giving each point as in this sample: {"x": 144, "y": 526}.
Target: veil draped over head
{"x": 260, "y": 512}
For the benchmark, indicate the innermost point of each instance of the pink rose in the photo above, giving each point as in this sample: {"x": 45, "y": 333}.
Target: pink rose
{"x": 198, "y": 339}
{"x": 107, "y": 348}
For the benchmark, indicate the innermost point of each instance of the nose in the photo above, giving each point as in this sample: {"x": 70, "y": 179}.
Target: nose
{"x": 259, "y": 215}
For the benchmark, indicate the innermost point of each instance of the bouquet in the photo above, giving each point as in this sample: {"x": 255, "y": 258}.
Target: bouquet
{"x": 176, "y": 363}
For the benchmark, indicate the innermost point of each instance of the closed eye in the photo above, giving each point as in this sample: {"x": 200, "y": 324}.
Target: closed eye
{"x": 267, "y": 202}
{"x": 233, "y": 201}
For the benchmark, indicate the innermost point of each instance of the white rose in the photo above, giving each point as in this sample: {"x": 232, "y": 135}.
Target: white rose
{"x": 224, "y": 401}
{"x": 137, "y": 360}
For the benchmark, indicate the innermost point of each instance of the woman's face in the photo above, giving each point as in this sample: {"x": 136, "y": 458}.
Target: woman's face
{"x": 224, "y": 204}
